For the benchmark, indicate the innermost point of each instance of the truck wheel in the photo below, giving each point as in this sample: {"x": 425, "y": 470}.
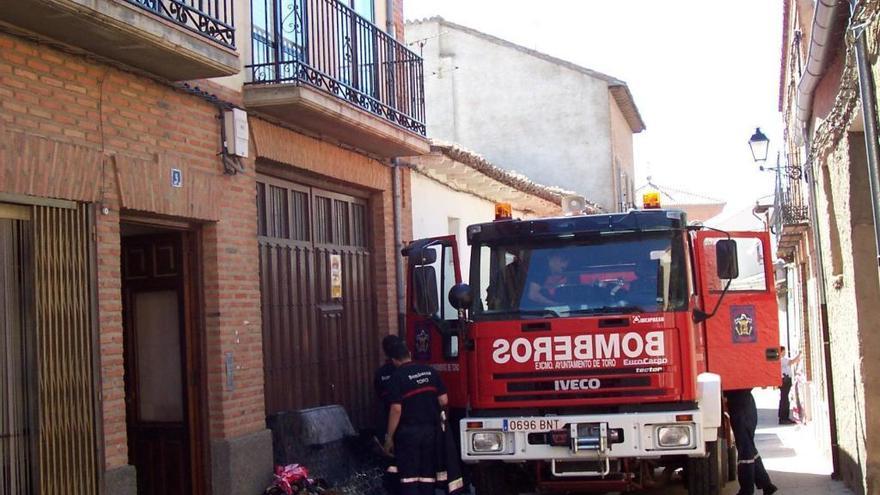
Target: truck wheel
{"x": 704, "y": 475}
{"x": 491, "y": 479}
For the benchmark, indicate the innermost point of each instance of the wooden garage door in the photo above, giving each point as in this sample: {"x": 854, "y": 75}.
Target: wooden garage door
{"x": 317, "y": 349}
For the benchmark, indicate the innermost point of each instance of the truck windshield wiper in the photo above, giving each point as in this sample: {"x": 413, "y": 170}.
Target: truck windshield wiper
{"x": 605, "y": 310}
{"x": 542, "y": 313}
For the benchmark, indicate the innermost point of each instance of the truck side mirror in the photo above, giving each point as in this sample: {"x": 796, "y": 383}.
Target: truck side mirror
{"x": 726, "y": 259}
{"x": 422, "y": 256}
{"x": 425, "y": 290}
{"x": 461, "y": 296}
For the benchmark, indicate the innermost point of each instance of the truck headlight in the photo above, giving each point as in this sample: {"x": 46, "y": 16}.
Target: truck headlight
{"x": 671, "y": 436}
{"x": 487, "y": 441}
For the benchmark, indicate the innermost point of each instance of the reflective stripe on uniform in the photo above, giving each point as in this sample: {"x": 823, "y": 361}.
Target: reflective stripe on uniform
{"x": 748, "y": 461}
{"x": 456, "y": 484}
{"x": 441, "y": 476}
{"x": 391, "y": 469}
{"x": 418, "y": 480}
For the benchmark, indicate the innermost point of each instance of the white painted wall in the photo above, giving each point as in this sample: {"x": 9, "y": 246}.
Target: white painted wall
{"x": 435, "y": 204}
{"x": 521, "y": 112}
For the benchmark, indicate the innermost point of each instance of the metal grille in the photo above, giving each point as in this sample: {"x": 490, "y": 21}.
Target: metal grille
{"x": 67, "y": 445}
{"x": 47, "y": 414}
{"x": 317, "y": 350}
{"x": 17, "y": 411}
{"x": 327, "y": 45}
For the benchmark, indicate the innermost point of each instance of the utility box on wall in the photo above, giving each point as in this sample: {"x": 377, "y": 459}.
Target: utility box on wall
{"x": 236, "y": 128}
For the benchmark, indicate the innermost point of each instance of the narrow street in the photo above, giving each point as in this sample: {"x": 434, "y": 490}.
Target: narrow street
{"x": 789, "y": 455}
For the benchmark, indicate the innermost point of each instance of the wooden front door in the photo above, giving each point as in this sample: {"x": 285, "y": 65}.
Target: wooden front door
{"x": 158, "y": 361}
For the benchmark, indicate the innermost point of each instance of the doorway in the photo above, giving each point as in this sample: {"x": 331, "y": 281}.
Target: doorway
{"x": 48, "y": 420}
{"x": 318, "y": 345}
{"x": 164, "y": 372}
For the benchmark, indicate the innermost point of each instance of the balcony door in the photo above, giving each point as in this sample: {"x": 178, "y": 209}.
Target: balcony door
{"x": 279, "y": 35}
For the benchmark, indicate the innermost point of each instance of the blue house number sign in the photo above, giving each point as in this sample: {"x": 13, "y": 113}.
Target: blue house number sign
{"x": 176, "y": 177}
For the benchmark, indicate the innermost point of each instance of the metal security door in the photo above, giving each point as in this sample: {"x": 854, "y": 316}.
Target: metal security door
{"x": 317, "y": 349}
{"x": 47, "y": 339}
{"x": 65, "y": 340}
{"x": 17, "y": 409}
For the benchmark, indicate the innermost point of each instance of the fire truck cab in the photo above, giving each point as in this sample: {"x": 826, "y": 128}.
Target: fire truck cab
{"x": 591, "y": 352}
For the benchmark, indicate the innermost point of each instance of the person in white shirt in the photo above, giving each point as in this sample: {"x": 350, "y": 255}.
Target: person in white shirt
{"x": 784, "y": 404}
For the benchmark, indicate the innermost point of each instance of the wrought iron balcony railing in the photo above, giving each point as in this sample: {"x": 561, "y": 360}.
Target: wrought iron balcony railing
{"x": 214, "y": 19}
{"x": 326, "y": 45}
{"x": 789, "y": 211}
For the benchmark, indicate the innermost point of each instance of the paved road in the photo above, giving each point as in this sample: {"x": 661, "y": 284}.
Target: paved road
{"x": 788, "y": 452}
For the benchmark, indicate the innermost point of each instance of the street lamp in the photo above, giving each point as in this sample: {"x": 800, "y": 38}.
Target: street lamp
{"x": 759, "y": 144}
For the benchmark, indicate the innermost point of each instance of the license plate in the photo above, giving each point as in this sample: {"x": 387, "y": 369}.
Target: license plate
{"x": 531, "y": 424}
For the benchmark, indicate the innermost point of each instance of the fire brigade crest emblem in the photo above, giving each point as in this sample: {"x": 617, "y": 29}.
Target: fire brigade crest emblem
{"x": 423, "y": 344}
{"x": 743, "y": 323}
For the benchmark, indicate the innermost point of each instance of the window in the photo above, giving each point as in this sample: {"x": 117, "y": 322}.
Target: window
{"x": 363, "y": 8}
{"x": 619, "y": 274}
{"x": 750, "y": 259}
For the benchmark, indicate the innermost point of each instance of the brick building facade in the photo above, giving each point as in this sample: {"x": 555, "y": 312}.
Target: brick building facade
{"x": 142, "y": 155}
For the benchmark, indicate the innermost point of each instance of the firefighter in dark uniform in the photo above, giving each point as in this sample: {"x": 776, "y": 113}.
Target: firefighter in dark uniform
{"x": 381, "y": 380}
{"x": 417, "y": 398}
{"x": 381, "y": 384}
{"x": 744, "y": 420}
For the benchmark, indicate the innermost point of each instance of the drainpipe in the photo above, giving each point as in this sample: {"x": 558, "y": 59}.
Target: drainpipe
{"x": 869, "y": 113}
{"x": 389, "y": 18}
{"x": 823, "y": 315}
{"x": 825, "y": 20}
{"x": 398, "y": 245}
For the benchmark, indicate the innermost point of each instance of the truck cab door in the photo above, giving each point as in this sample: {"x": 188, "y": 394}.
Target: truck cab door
{"x": 433, "y": 331}
{"x": 742, "y": 338}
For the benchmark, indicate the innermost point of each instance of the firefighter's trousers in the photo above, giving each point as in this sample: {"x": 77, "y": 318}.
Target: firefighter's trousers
{"x": 744, "y": 421}
{"x": 415, "y": 448}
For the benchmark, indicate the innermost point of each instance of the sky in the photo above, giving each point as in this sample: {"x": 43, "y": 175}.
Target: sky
{"x": 704, "y": 74}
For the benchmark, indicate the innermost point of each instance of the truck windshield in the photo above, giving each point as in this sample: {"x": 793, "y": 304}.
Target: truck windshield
{"x": 606, "y": 274}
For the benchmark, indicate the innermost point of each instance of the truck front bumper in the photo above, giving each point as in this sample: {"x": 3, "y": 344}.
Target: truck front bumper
{"x": 599, "y": 436}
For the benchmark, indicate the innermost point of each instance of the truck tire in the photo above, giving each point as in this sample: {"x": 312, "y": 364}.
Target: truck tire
{"x": 704, "y": 474}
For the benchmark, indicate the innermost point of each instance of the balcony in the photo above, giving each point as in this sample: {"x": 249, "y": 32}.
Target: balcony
{"x": 319, "y": 66}
{"x": 173, "y": 39}
{"x": 791, "y": 218}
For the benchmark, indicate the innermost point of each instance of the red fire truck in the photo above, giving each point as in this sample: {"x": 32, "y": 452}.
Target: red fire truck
{"x": 591, "y": 352}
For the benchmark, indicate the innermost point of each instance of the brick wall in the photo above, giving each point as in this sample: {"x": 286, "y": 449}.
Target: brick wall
{"x": 117, "y": 135}
{"x": 130, "y": 130}
{"x": 397, "y": 17}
